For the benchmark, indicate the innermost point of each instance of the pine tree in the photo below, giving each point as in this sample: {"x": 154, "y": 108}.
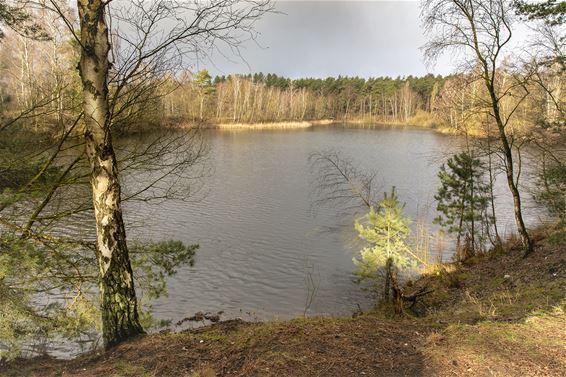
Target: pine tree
{"x": 386, "y": 233}
{"x": 553, "y": 12}
{"x": 203, "y": 83}
{"x": 462, "y": 200}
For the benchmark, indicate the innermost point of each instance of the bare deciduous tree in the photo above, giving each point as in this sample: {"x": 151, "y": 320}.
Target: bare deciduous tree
{"x": 146, "y": 34}
{"x": 338, "y": 181}
{"x": 481, "y": 30}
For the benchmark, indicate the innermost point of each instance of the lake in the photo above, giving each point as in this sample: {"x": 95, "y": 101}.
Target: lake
{"x": 262, "y": 249}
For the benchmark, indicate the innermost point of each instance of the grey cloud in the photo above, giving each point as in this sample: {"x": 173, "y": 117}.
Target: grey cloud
{"x": 330, "y": 38}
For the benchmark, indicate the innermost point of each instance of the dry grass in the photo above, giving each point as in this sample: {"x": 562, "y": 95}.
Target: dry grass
{"x": 420, "y": 120}
{"x": 324, "y": 122}
{"x": 264, "y": 126}
{"x": 535, "y": 347}
{"x": 501, "y": 287}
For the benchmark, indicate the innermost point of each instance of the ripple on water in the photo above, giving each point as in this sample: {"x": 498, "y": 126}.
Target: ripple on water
{"x": 259, "y": 243}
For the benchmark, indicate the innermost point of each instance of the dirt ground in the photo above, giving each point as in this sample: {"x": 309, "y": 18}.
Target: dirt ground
{"x": 498, "y": 315}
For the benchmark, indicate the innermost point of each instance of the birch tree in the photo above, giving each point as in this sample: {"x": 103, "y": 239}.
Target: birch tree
{"x": 482, "y": 31}
{"x": 151, "y": 31}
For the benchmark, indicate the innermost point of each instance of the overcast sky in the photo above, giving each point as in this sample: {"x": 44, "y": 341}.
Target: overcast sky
{"x": 331, "y": 38}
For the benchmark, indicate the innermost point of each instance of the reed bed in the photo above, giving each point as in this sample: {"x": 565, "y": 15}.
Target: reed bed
{"x": 263, "y": 126}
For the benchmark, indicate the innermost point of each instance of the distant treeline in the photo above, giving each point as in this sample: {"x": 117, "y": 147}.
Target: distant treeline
{"x": 270, "y": 98}
{"x": 40, "y": 89}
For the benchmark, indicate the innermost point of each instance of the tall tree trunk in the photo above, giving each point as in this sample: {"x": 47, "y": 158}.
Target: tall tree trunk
{"x": 119, "y": 305}
{"x": 497, "y": 242}
{"x": 509, "y": 172}
{"x": 489, "y": 81}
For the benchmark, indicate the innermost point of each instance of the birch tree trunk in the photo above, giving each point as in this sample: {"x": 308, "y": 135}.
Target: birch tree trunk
{"x": 118, "y": 298}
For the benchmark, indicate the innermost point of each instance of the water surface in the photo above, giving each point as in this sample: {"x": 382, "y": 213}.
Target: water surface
{"x": 258, "y": 238}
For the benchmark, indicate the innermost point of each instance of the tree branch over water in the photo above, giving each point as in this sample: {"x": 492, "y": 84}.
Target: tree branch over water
{"x": 339, "y": 182}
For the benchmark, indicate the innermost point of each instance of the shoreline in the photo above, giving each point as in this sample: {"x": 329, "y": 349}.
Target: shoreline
{"x": 305, "y": 124}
